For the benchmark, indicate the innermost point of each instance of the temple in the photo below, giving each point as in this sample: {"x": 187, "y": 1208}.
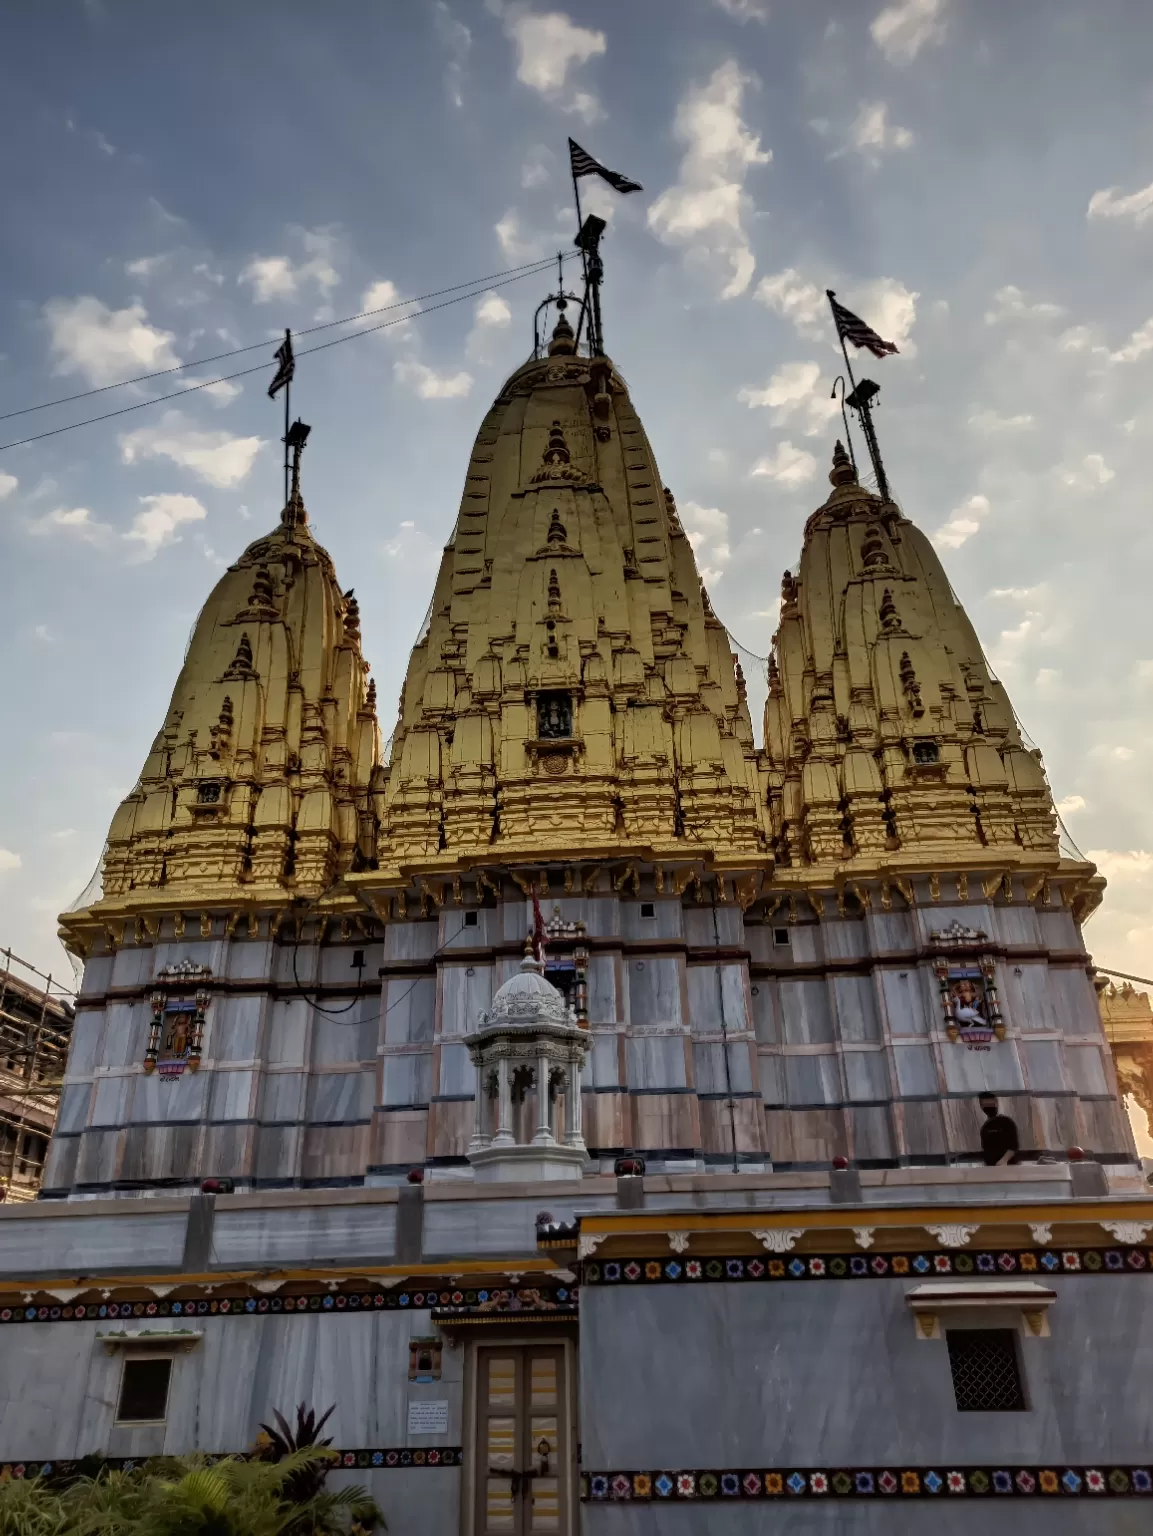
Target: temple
{"x": 452, "y": 1083}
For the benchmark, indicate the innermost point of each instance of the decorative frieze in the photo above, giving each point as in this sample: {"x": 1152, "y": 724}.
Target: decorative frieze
{"x": 902, "y": 1482}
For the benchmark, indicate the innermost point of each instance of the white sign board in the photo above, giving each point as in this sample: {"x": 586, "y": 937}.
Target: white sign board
{"x": 428, "y": 1417}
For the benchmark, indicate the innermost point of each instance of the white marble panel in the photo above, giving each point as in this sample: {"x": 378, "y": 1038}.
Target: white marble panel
{"x": 250, "y": 959}
{"x": 409, "y": 1010}
{"x": 209, "y": 952}
{"x": 97, "y": 974}
{"x": 416, "y": 940}
{"x": 110, "y": 1101}
{"x": 406, "y": 1080}
{"x": 771, "y": 1073}
{"x": 455, "y": 930}
{"x": 845, "y": 938}
{"x": 909, "y": 1003}
{"x": 286, "y": 1034}
{"x": 602, "y": 988}
{"x": 706, "y": 927}
{"x": 348, "y": 1036}
{"x": 232, "y": 1096}
{"x": 603, "y": 916}
{"x": 812, "y": 1080}
{"x": 1044, "y": 1066}
{"x": 1016, "y": 925}
{"x": 856, "y": 1008}
{"x": 78, "y": 1244}
{"x": 72, "y": 1114}
{"x": 233, "y": 1027}
{"x": 1074, "y": 1001}
{"x": 156, "y": 1099}
{"x": 892, "y": 932}
{"x": 337, "y": 969}
{"x": 653, "y": 989}
{"x": 804, "y": 944}
{"x": 665, "y": 923}
{"x": 465, "y": 992}
{"x": 717, "y": 998}
{"x": 916, "y": 1070}
{"x": 1058, "y": 930}
{"x": 284, "y": 1235}
{"x": 126, "y": 1033}
{"x": 86, "y": 1044}
{"x": 457, "y": 1073}
{"x": 709, "y": 1068}
{"x": 867, "y": 1075}
{"x": 133, "y": 967}
{"x": 282, "y": 1096}
{"x": 340, "y": 1098}
{"x": 656, "y": 1061}
{"x": 1086, "y": 1071}
{"x": 996, "y": 1070}
{"x": 488, "y": 1226}
{"x": 1026, "y": 1003}
{"x": 805, "y": 1008}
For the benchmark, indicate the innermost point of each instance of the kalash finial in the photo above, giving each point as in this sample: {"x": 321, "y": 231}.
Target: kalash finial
{"x": 842, "y": 472}
{"x": 563, "y": 343}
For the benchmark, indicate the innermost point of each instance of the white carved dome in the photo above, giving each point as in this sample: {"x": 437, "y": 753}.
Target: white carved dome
{"x": 527, "y": 999}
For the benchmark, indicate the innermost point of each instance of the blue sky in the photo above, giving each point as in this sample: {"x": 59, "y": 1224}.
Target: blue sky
{"x": 974, "y": 177}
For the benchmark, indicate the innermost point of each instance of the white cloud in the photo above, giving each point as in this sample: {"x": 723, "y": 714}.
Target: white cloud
{"x": 279, "y": 277}
{"x": 873, "y": 134}
{"x": 9, "y": 860}
{"x": 1089, "y": 475}
{"x": 519, "y": 245}
{"x": 491, "y": 315}
{"x": 412, "y": 551}
{"x": 537, "y": 168}
{"x": 1010, "y": 303}
{"x": 8, "y": 484}
{"x": 220, "y": 458}
{"x": 1140, "y": 342}
{"x": 788, "y": 466}
{"x": 707, "y": 530}
{"x": 145, "y": 266}
{"x": 156, "y": 526}
{"x": 549, "y": 45}
{"x": 900, "y": 31}
{"x": 43, "y": 634}
{"x": 964, "y": 521}
{"x": 795, "y": 394}
{"x": 744, "y": 10}
{"x": 457, "y": 40}
{"x": 105, "y": 345}
{"x": 705, "y": 209}
{"x": 426, "y": 383}
{"x": 890, "y": 308}
{"x": 63, "y": 834}
{"x": 802, "y": 303}
{"x": 1137, "y": 206}
{"x": 222, "y": 392}
{"x": 1069, "y": 804}
{"x": 988, "y": 423}
{"x": 76, "y": 521}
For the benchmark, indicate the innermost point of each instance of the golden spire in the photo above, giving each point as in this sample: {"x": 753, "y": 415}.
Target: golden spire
{"x": 574, "y": 691}
{"x": 886, "y": 735}
{"x": 258, "y": 786}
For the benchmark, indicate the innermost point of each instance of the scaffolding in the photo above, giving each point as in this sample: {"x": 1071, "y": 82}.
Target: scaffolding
{"x": 36, "y": 1017}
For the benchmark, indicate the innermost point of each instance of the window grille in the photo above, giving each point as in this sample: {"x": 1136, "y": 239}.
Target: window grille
{"x": 986, "y": 1377}
{"x": 144, "y": 1391}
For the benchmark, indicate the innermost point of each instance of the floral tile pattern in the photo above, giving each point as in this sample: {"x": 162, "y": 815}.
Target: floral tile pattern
{"x": 366, "y": 1460}
{"x": 1034, "y": 1262}
{"x": 895, "y": 1482}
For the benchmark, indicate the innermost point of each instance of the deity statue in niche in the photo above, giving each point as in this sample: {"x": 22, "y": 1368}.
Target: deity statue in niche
{"x": 554, "y": 716}
{"x": 967, "y": 1006}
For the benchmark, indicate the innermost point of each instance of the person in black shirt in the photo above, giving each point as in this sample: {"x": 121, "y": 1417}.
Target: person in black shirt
{"x": 999, "y": 1140}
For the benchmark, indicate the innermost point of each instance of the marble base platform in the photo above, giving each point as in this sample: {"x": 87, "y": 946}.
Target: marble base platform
{"x": 500, "y": 1164}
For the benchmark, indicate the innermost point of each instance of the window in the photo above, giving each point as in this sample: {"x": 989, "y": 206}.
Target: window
{"x": 144, "y": 1391}
{"x": 986, "y": 1377}
{"x": 208, "y": 793}
{"x": 926, "y": 752}
{"x": 648, "y": 909}
{"x": 780, "y": 935}
{"x": 471, "y": 919}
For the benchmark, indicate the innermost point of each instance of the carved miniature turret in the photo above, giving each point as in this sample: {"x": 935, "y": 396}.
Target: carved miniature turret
{"x": 888, "y": 738}
{"x": 574, "y": 691}
{"x": 258, "y": 786}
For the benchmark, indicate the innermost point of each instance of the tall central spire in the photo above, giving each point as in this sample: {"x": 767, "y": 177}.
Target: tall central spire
{"x": 574, "y": 690}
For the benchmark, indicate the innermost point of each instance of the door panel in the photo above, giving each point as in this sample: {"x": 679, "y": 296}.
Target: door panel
{"x": 524, "y": 1488}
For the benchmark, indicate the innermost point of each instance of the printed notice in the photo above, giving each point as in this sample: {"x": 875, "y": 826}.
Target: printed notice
{"x": 428, "y": 1418}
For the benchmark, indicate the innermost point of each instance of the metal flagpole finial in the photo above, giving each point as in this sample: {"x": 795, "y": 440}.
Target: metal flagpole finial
{"x": 294, "y": 441}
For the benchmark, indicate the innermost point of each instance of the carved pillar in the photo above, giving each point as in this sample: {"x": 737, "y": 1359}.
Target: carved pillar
{"x": 572, "y": 1105}
{"x": 543, "y": 1135}
{"x": 504, "y": 1136}
{"x": 480, "y": 1138}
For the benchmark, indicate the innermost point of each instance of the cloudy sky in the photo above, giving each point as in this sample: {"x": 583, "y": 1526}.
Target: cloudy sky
{"x": 976, "y": 178}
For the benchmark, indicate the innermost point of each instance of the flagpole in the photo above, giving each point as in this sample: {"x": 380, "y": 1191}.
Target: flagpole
{"x": 829, "y": 294}
{"x": 860, "y": 403}
{"x": 287, "y": 395}
{"x": 584, "y": 253}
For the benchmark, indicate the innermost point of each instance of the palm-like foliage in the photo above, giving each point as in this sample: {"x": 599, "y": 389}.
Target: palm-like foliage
{"x": 284, "y": 1441}
{"x": 184, "y": 1496}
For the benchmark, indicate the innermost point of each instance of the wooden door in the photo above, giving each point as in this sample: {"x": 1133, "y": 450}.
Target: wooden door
{"x": 524, "y": 1480}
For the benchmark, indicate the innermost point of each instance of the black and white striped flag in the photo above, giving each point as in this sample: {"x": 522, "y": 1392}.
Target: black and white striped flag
{"x": 851, "y": 327}
{"x": 286, "y": 366}
{"x": 583, "y": 164}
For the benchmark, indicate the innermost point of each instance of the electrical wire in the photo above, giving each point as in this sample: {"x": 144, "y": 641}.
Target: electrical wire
{"x": 261, "y": 367}
{"x": 308, "y": 330}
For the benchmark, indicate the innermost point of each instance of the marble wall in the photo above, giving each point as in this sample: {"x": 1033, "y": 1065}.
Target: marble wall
{"x": 779, "y": 1042}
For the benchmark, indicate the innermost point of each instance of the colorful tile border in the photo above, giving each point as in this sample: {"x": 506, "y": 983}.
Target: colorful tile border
{"x": 869, "y": 1483}
{"x": 368, "y": 1460}
{"x": 482, "y": 1304}
{"x": 864, "y": 1266}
